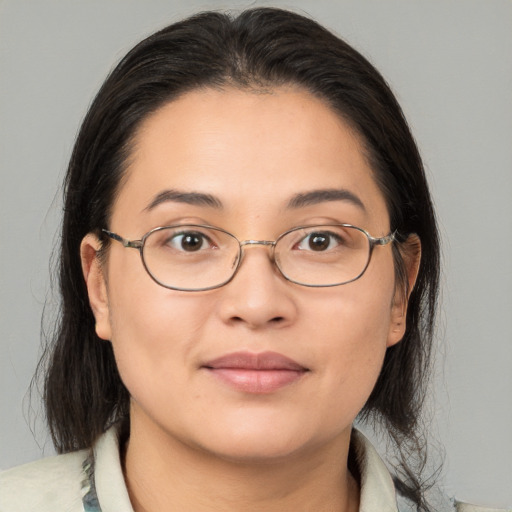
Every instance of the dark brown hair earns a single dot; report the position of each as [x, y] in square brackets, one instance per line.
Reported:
[260, 48]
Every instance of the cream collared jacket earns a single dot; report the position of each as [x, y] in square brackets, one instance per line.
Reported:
[92, 481]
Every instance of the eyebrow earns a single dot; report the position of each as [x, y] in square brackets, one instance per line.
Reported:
[324, 195]
[300, 200]
[193, 198]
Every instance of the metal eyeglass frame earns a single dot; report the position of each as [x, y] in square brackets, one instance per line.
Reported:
[139, 244]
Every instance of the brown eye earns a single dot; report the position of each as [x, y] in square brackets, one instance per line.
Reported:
[189, 242]
[319, 242]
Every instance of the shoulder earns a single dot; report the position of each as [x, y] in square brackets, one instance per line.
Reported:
[50, 484]
[378, 493]
[466, 507]
[86, 480]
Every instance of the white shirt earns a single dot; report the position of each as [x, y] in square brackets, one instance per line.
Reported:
[92, 481]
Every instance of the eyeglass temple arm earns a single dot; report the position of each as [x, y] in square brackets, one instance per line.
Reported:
[384, 240]
[134, 244]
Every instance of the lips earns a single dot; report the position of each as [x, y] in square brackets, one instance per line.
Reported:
[262, 373]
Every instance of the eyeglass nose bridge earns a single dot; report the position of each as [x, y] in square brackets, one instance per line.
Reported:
[257, 242]
[266, 243]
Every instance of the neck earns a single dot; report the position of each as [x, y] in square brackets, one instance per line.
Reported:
[163, 473]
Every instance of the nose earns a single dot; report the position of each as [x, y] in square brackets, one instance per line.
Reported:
[258, 295]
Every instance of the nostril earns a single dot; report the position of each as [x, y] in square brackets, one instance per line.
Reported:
[275, 320]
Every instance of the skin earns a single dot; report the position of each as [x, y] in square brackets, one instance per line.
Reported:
[195, 442]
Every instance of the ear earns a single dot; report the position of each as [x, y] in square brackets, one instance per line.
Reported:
[96, 284]
[411, 255]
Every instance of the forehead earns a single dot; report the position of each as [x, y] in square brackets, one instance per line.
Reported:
[249, 149]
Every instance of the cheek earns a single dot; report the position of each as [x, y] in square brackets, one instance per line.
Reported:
[154, 334]
[355, 341]
[352, 334]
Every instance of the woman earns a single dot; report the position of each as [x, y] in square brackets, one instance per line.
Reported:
[286, 282]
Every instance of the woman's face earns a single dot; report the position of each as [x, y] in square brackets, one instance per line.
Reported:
[254, 153]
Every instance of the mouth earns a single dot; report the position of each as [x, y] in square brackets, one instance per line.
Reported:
[261, 373]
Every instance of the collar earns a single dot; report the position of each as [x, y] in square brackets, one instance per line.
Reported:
[108, 474]
[377, 488]
[107, 480]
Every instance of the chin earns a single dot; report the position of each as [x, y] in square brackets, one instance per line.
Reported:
[270, 442]
[255, 450]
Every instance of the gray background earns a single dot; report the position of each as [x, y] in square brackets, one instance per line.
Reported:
[450, 64]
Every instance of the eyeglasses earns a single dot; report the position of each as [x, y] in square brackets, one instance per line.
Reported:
[197, 257]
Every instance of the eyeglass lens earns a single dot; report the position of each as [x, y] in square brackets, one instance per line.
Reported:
[193, 257]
